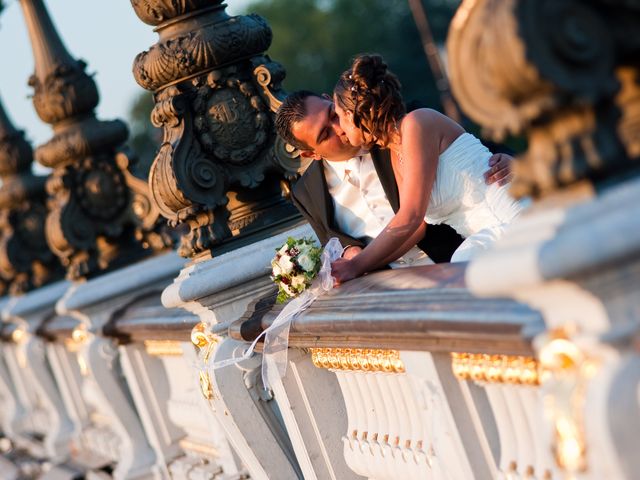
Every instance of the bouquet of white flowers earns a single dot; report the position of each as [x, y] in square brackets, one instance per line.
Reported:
[302, 270]
[294, 267]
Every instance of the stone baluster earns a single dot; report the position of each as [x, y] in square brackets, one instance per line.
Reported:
[25, 258]
[220, 164]
[93, 209]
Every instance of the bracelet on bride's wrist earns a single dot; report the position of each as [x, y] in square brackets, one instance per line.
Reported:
[345, 249]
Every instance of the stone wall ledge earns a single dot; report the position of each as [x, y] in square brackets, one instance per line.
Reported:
[59, 327]
[417, 308]
[123, 282]
[39, 302]
[149, 320]
[229, 270]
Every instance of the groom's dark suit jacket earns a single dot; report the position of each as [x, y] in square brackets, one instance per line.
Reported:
[311, 195]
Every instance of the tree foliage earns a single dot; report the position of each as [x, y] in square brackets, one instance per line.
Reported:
[144, 138]
[315, 40]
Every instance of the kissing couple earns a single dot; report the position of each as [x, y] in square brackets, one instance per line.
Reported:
[396, 188]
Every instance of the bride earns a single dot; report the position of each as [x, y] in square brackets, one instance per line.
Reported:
[439, 168]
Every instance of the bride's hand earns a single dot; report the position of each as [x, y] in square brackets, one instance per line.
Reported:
[343, 270]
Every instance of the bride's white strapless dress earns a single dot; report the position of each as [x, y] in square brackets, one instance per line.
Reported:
[461, 198]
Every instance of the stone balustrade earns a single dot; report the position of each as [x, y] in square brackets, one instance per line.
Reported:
[402, 372]
[428, 380]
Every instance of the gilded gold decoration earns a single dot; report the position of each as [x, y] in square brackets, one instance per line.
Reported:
[511, 369]
[163, 348]
[82, 364]
[71, 345]
[358, 359]
[565, 372]
[205, 341]
[206, 386]
[201, 337]
[199, 448]
[78, 337]
[79, 334]
[628, 100]
[19, 335]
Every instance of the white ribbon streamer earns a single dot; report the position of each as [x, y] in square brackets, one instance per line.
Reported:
[276, 341]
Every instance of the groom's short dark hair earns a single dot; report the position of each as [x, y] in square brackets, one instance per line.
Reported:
[293, 110]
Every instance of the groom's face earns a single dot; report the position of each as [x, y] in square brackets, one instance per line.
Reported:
[320, 130]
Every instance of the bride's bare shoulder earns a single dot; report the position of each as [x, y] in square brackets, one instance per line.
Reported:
[422, 115]
[426, 124]
[428, 118]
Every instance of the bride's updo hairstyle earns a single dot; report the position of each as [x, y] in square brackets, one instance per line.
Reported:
[372, 93]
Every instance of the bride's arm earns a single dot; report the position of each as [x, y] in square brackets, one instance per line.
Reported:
[408, 245]
[423, 135]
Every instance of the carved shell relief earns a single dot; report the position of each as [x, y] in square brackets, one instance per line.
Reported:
[198, 51]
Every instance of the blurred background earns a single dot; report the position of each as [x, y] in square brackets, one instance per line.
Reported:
[314, 40]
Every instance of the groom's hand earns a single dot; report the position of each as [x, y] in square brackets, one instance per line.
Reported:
[351, 251]
[499, 169]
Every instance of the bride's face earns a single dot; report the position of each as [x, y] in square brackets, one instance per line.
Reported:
[352, 134]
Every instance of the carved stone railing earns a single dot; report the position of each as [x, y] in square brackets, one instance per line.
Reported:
[407, 310]
[42, 424]
[433, 380]
[129, 376]
[218, 291]
[220, 164]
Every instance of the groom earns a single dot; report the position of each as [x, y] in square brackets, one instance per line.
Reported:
[351, 194]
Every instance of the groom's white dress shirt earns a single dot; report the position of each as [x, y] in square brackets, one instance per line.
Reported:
[362, 209]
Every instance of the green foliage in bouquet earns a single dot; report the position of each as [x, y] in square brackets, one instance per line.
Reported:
[295, 266]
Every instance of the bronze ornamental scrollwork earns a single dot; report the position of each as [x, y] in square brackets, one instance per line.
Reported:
[26, 261]
[91, 224]
[219, 167]
[560, 71]
[154, 12]
[231, 120]
[565, 74]
[64, 92]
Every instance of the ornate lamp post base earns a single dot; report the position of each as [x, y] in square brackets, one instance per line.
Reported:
[220, 164]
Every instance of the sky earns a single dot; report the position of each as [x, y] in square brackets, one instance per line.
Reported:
[106, 34]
